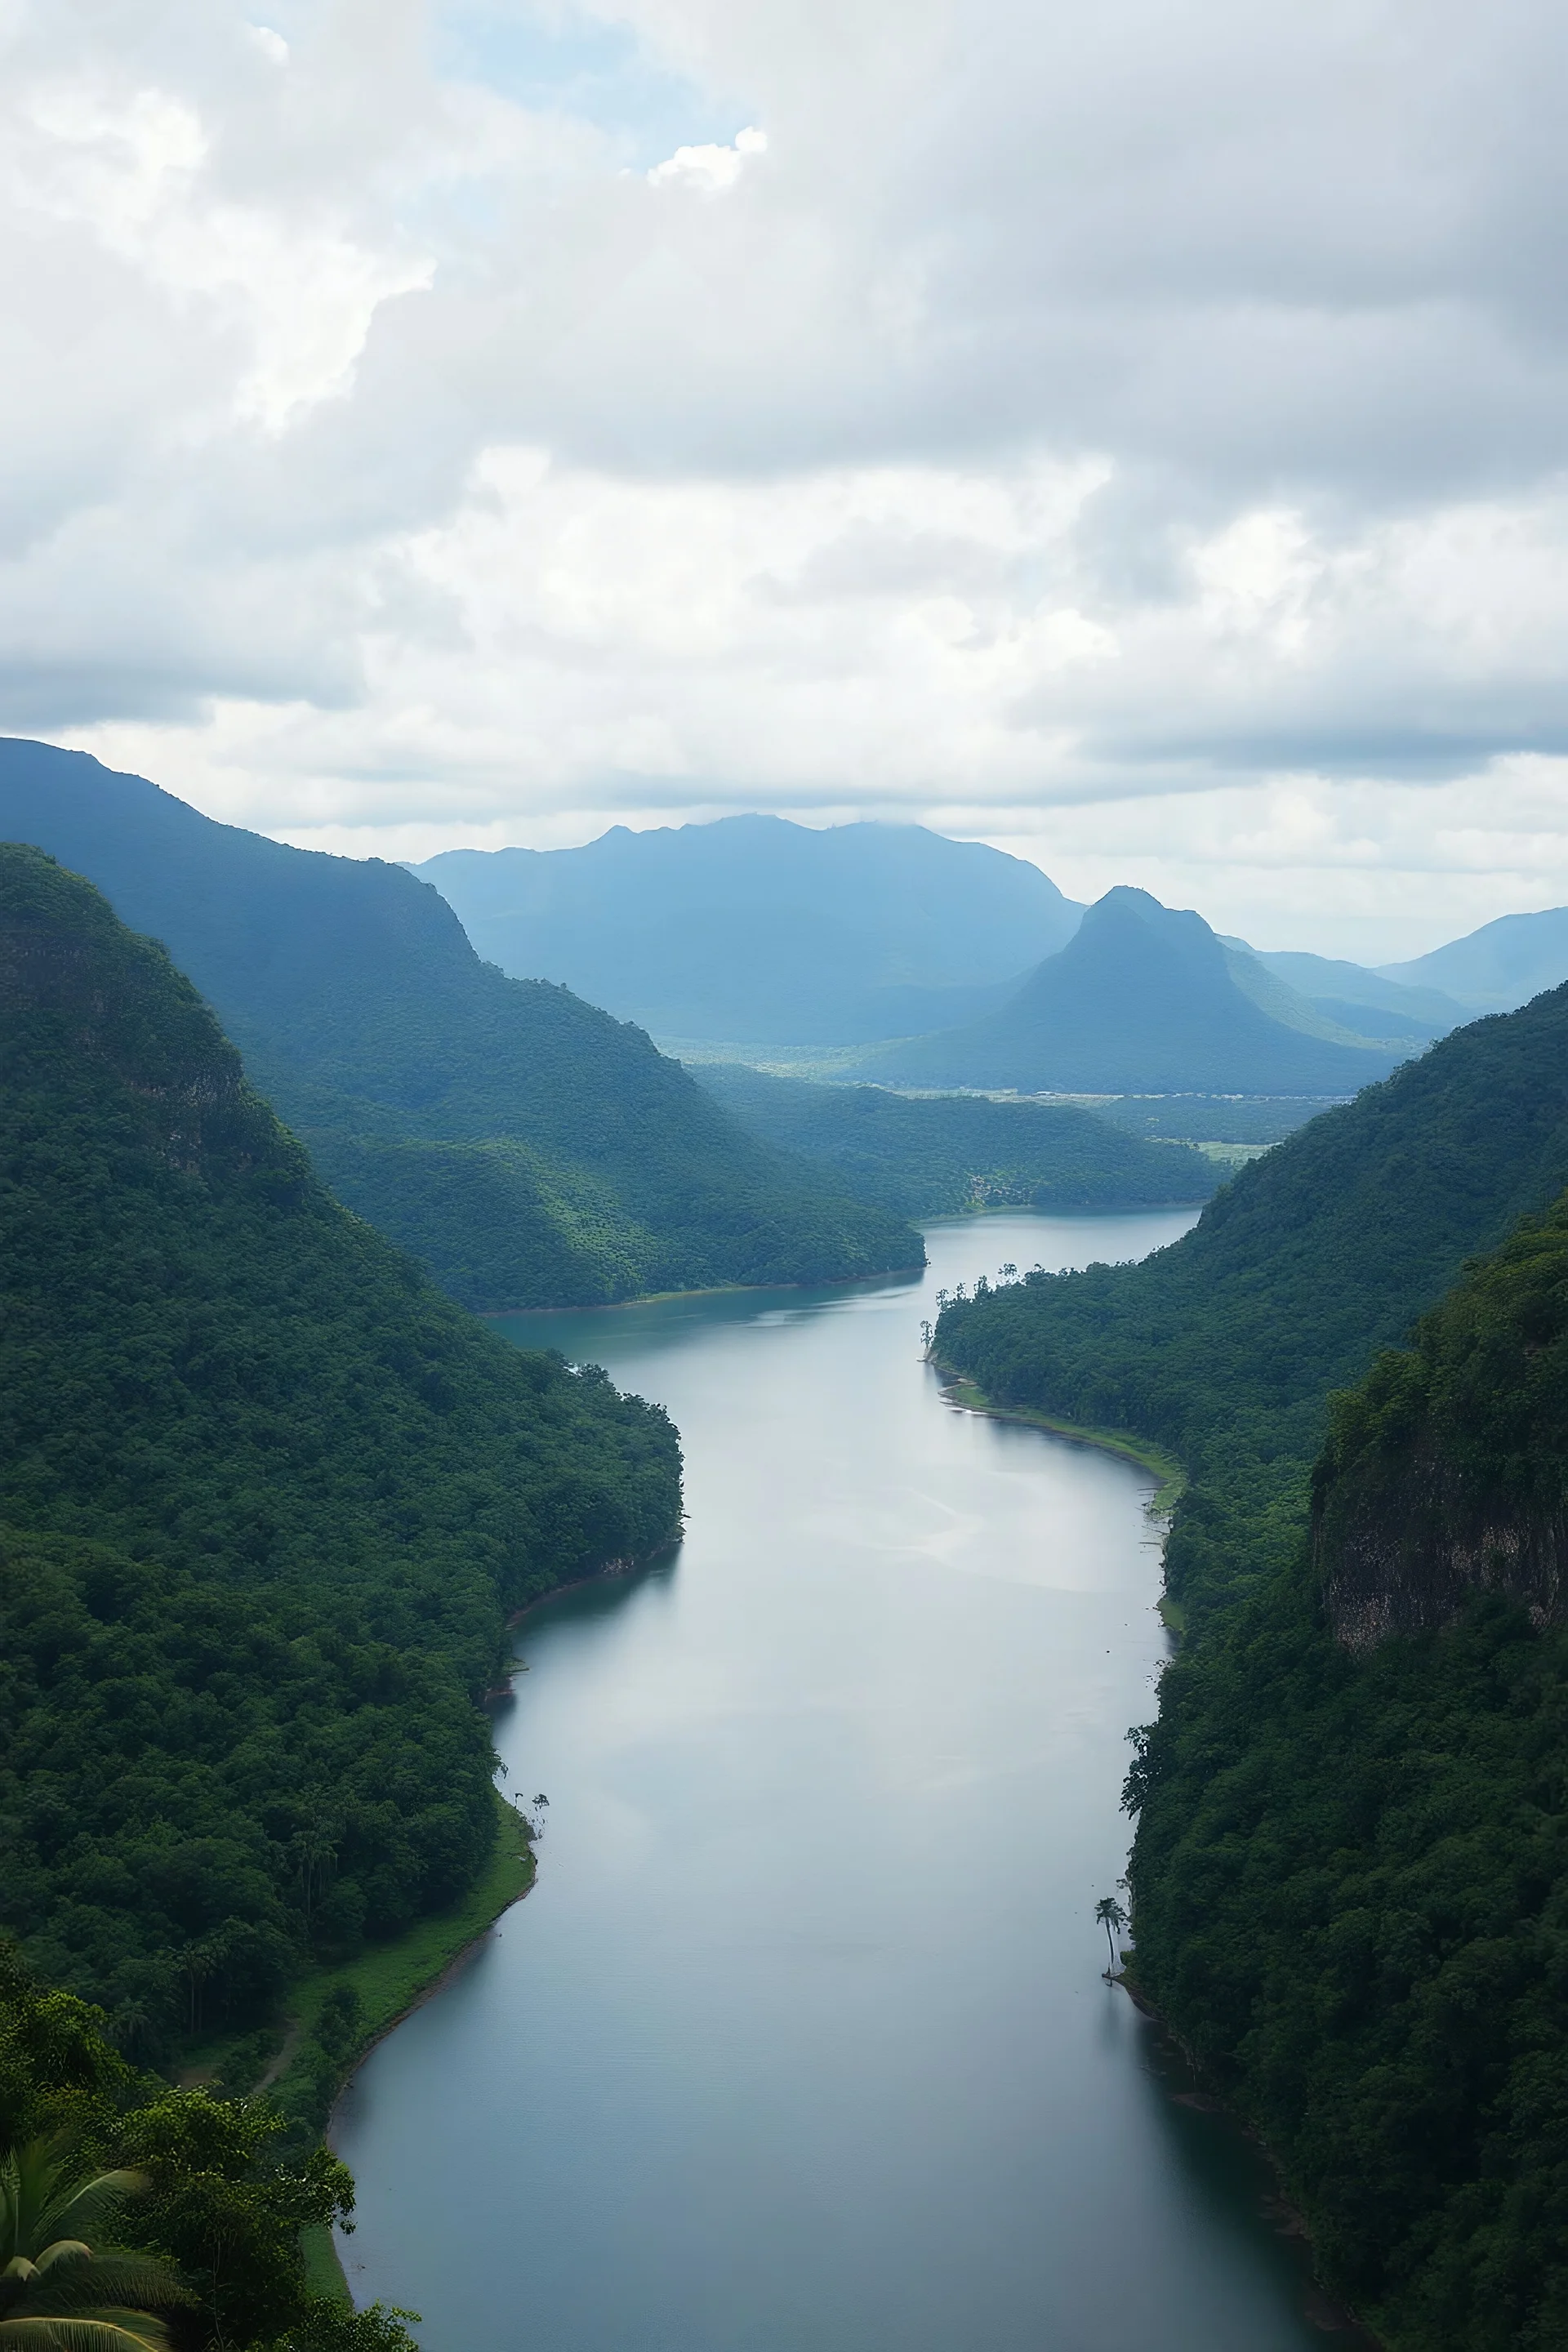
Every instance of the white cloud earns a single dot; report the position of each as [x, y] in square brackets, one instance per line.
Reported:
[709, 169]
[131, 174]
[1143, 436]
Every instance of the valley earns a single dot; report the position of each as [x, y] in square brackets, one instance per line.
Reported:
[834, 1735]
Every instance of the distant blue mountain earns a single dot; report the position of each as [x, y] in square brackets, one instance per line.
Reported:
[754, 931]
[1144, 999]
[1498, 967]
[1375, 1007]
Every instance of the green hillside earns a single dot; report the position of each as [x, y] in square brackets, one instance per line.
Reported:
[531, 1150]
[1143, 1000]
[754, 931]
[1350, 1874]
[940, 1155]
[266, 1501]
[1224, 1346]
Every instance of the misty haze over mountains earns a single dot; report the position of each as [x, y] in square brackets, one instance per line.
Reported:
[531, 1146]
[955, 965]
[754, 929]
[425, 1079]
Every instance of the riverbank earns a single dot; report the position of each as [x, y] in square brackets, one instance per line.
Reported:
[388, 1984]
[968, 1396]
[713, 1290]
[739, 1987]
[1324, 2309]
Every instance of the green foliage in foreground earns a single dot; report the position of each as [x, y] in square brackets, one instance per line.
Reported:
[210, 2207]
[266, 1500]
[1351, 1872]
[940, 1155]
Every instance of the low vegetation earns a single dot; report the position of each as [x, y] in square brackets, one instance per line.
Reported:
[940, 1155]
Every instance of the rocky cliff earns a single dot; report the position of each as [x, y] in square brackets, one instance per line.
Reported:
[1445, 1472]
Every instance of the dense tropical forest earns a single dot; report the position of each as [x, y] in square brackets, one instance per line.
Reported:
[1350, 1874]
[267, 1499]
[528, 1149]
[137, 2218]
[920, 1156]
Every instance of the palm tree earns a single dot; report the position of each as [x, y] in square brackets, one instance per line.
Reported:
[1112, 1918]
[62, 2287]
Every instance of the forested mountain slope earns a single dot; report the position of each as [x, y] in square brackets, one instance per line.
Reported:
[265, 1499]
[938, 1155]
[1225, 1345]
[1351, 1872]
[754, 931]
[1445, 1471]
[1144, 999]
[528, 1147]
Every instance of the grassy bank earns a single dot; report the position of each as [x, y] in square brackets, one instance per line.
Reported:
[1163, 1466]
[375, 1991]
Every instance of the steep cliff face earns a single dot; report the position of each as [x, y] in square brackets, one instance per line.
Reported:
[1445, 1472]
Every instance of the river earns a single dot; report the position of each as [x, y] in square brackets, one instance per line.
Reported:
[800, 2043]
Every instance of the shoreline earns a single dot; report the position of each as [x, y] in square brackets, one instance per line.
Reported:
[967, 1396]
[395, 1979]
[613, 1572]
[1333, 2315]
[708, 1290]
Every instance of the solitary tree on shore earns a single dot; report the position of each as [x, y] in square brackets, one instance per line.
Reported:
[1112, 1918]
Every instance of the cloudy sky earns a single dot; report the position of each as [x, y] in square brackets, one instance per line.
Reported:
[1134, 433]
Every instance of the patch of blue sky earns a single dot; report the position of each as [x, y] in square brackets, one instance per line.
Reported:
[559, 60]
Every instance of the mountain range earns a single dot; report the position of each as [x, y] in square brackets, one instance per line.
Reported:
[761, 935]
[754, 931]
[530, 1149]
[1498, 967]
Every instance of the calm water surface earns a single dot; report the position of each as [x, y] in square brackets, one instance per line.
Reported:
[800, 2043]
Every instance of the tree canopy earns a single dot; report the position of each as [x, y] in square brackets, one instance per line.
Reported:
[267, 1499]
